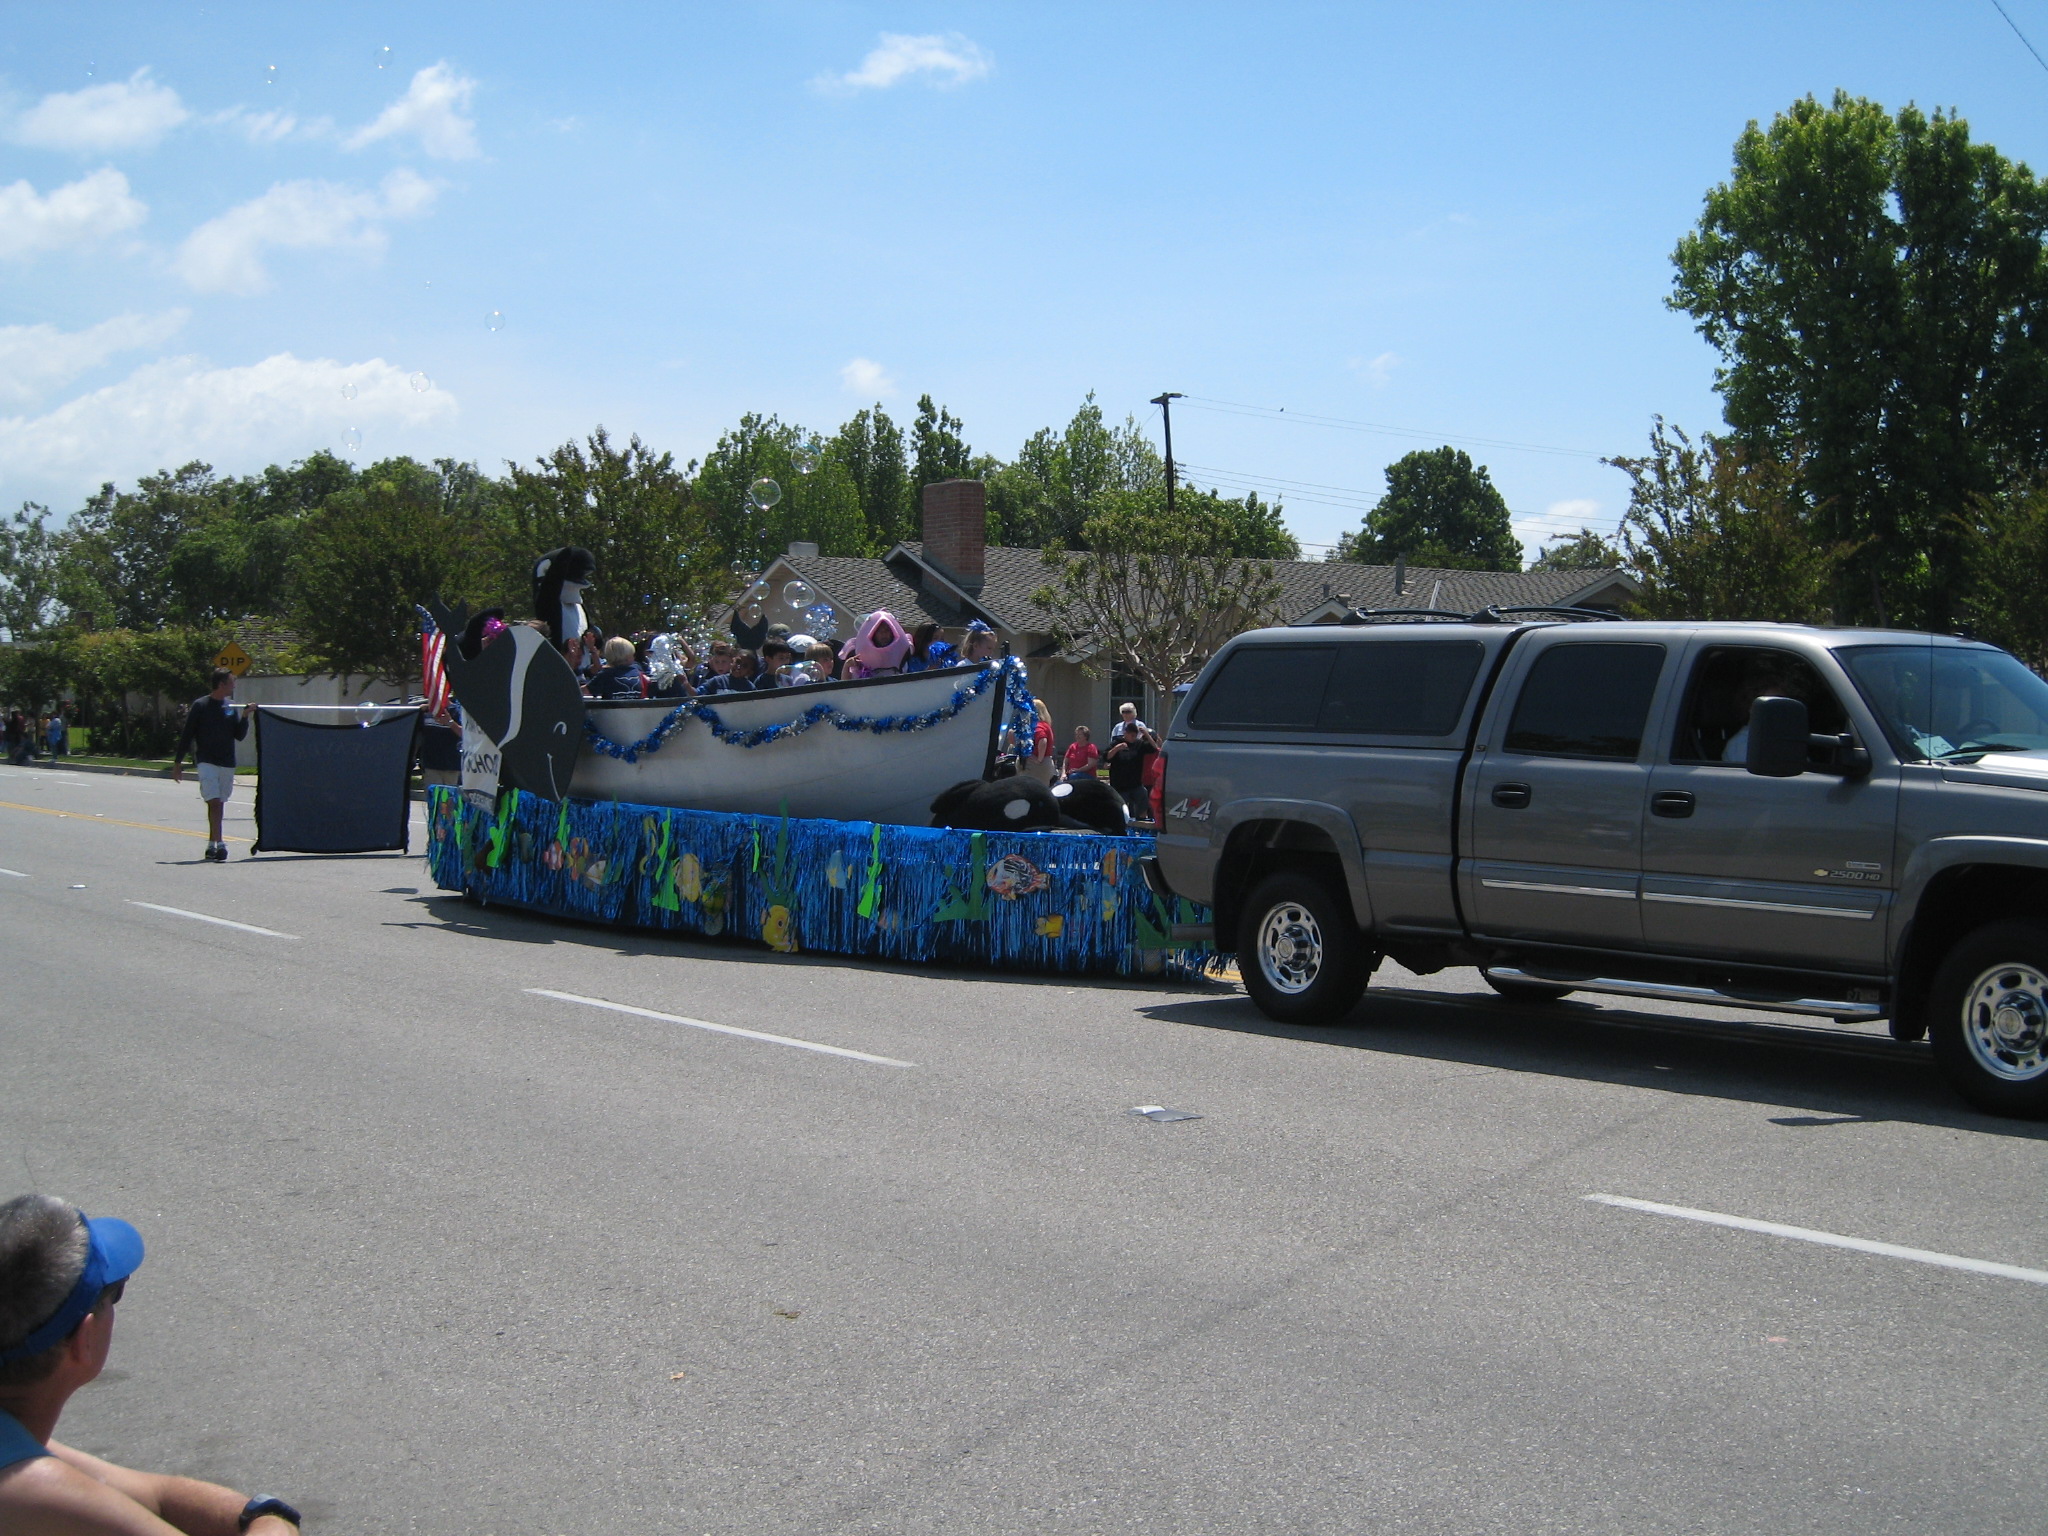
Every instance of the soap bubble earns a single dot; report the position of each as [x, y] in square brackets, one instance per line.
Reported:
[797, 594]
[495, 320]
[806, 454]
[383, 57]
[348, 391]
[738, 568]
[646, 599]
[764, 494]
[750, 609]
[421, 383]
[821, 621]
[351, 440]
[270, 74]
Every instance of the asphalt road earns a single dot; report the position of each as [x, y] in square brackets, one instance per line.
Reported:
[431, 1252]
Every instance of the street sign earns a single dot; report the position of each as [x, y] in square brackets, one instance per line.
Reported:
[233, 658]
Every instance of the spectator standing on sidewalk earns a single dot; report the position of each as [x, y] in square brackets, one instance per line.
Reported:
[61, 1275]
[16, 726]
[58, 731]
[212, 727]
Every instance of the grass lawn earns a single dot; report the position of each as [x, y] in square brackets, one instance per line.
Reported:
[105, 760]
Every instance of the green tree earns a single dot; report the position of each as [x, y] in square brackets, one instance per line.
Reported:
[1045, 497]
[1877, 287]
[1581, 551]
[630, 507]
[1441, 510]
[939, 452]
[400, 534]
[869, 448]
[29, 551]
[1151, 593]
[2005, 602]
[822, 506]
[114, 570]
[1716, 531]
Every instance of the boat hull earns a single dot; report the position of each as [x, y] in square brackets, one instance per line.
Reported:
[822, 772]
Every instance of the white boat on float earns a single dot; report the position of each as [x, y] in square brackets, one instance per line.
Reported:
[816, 770]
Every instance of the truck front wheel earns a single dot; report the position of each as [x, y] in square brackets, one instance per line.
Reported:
[1987, 1015]
[1299, 951]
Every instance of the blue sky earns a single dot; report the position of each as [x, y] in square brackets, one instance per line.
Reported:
[1452, 220]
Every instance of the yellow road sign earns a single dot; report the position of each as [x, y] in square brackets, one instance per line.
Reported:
[232, 657]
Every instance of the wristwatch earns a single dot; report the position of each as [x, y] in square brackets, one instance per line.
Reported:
[267, 1504]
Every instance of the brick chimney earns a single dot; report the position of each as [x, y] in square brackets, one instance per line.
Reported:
[956, 530]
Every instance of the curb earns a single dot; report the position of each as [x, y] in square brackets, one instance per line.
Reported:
[417, 796]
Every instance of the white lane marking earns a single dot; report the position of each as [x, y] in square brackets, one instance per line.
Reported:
[201, 917]
[720, 1029]
[14, 872]
[1831, 1239]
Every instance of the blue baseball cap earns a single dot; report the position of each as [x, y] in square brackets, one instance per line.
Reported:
[113, 1253]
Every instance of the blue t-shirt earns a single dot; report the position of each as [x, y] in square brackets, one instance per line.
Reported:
[16, 1443]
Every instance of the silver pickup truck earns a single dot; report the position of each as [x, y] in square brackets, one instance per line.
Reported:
[1848, 823]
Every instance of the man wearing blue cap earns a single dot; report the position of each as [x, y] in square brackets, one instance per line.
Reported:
[61, 1272]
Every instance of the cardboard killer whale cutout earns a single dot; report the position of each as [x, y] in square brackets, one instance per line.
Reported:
[560, 578]
[519, 692]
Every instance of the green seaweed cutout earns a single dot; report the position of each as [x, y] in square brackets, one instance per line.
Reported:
[972, 907]
[871, 886]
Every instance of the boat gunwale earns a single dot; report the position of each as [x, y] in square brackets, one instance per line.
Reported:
[786, 690]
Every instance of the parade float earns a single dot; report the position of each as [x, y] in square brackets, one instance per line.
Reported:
[795, 817]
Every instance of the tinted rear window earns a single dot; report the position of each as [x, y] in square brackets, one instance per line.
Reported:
[1267, 688]
[1401, 687]
[1586, 701]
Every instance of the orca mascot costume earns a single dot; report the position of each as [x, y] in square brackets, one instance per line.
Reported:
[560, 578]
[518, 691]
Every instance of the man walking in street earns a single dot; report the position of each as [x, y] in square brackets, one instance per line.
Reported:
[61, 1274]
[212, 727]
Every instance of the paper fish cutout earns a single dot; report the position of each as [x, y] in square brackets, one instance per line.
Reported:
[1013, 875]
[1049, 927]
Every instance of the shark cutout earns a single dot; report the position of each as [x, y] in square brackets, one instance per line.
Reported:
[521, 693]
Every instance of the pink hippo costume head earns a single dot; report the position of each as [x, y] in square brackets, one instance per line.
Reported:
[879, 644]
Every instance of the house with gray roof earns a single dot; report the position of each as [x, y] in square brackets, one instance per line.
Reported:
[953, 576]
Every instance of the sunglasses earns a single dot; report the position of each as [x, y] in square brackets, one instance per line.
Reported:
[112, 1295]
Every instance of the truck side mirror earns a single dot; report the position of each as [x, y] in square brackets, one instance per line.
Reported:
[1777, 739]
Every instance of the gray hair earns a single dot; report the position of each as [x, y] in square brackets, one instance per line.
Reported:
[43, 1249]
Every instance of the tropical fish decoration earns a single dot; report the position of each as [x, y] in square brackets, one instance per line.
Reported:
[1013, 875]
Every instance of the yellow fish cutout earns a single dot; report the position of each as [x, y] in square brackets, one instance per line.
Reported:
[1109, 866]
[778, 931]
[1051, 927]
[836, 872]
[689, 877]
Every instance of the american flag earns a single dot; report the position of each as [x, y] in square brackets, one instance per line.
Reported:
[433, 676]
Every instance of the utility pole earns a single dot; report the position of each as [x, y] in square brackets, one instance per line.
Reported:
[1164, 402]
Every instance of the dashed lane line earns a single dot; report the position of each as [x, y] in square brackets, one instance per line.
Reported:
[720, 1029]
[1831, 1239]
[14, 872]
[225, 922]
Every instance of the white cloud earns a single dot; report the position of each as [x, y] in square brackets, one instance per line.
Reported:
[1377, 371]
[947, 59]
[864, 376]
[261, 128]
[35, 359]
[128, 114]
[431, 110]
[225, 255]
[179, 409]
[77, 213]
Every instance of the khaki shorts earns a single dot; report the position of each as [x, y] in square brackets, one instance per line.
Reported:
[215, 782]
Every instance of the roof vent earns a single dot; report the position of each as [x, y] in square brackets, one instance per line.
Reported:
[801, 549]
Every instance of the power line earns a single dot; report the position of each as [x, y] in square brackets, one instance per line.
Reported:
[2016, 32]
[1345, 423]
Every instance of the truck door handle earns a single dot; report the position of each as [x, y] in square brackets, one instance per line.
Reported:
[1511, 797]
[1671, 802]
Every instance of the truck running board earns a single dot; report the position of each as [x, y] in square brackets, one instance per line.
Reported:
[1671, 992]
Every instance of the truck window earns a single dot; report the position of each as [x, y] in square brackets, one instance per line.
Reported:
[1400, 687]
[1267, 688]
[1714, 725]
[1586, 701]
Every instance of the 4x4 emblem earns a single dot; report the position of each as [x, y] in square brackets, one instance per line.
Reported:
[1191, 808]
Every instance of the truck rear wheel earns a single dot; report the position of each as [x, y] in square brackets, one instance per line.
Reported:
[1299, 951]
[1987, 1016]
